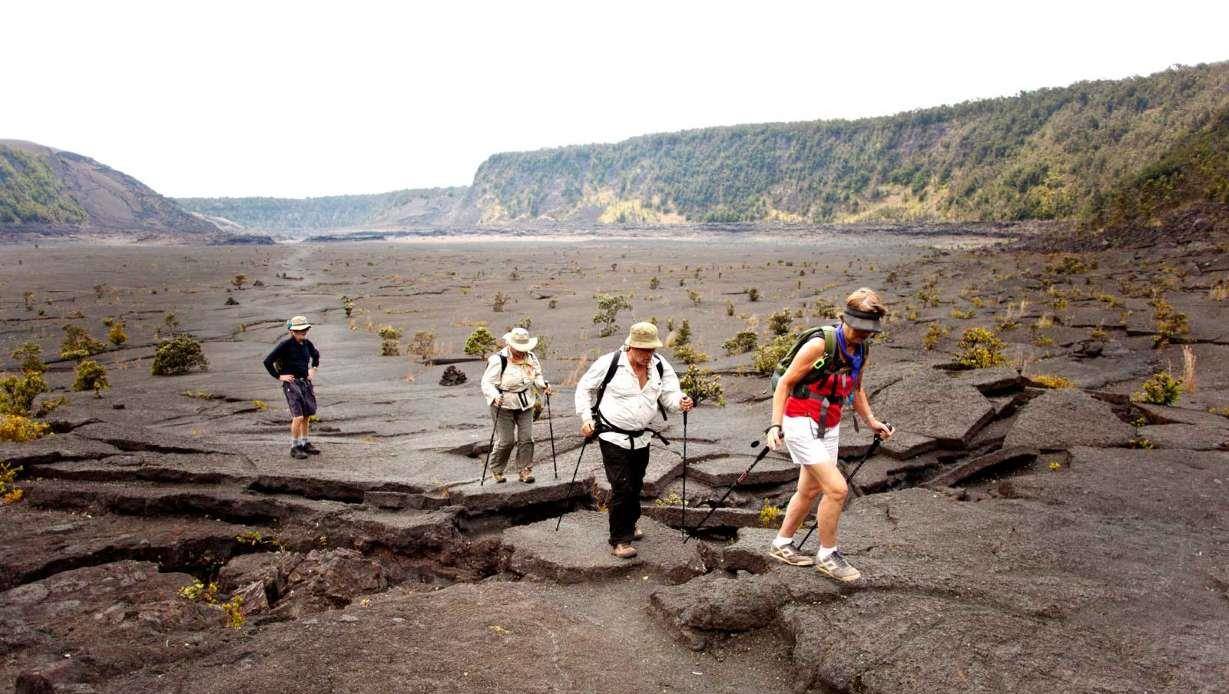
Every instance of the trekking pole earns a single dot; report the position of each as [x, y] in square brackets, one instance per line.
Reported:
[683, 517]
[870, 450]
[570, 484]
[489, 448]
[762, 454]
[551, 423]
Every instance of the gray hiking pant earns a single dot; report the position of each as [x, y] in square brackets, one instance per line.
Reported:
[512, 428]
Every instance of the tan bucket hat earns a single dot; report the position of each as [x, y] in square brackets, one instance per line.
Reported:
[520, 340]
[643, 336]
[298, 323]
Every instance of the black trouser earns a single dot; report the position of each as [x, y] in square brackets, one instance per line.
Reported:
[625, 472]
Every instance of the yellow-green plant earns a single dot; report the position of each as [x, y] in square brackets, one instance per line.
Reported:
[980, 348]
[934, 334]
[767, 356]
[115, 331]
[78, 344]
[702, 385]
[770, 515]
[743, 342]
[17, 392]
[1160, 389]
[10, 493]
[480, 342]
[90, 375]
[178, 356]
[1052, 381]
[31, 357]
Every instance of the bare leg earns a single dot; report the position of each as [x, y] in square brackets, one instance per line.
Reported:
[832, 483]
[801, 502]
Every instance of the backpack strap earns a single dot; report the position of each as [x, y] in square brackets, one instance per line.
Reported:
[610, 373]
[503, 366]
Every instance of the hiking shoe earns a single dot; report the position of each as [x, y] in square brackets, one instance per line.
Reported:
[835, 566]
[526, 476]
[637, 534]
[297, 453]
[309, 449]
[790, 555]
[623, 551]
[499, 477]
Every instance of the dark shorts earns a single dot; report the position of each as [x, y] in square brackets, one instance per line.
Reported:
[300, 396]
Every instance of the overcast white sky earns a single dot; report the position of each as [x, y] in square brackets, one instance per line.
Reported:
[302, 98]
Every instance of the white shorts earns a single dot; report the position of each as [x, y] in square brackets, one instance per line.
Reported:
[804, 444]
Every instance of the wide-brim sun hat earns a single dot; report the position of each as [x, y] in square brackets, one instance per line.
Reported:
[520, 340]
[298, 323]
[867, 321]
[643, 336]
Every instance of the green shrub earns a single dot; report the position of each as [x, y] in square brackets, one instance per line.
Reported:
[1051, 381]
[780, 322]
[20, 429]
[741, 343]
[1170, 324]
[934, 334]
[766, 357]
[388, 332]
[688, 354]
[500, 300]
[1161, 389]
[753, 294]
[680, 337]
[78, 344]
[31, 357]
[608, 308]
[480, 342]
[654, 283]
[702, 385]
[178, 356]
[90, 375]
[17, 392]
[115, 331]
[980, 348]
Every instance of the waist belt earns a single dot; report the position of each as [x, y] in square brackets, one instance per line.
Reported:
[604, 425]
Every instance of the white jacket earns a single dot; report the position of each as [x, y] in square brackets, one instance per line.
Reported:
[625, 404]
[517, 382]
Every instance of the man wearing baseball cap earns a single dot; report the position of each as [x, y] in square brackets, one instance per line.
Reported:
[294, 362]
[618, 399]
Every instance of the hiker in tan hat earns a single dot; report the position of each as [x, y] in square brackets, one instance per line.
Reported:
[294, 362]
[510, 384]
[619, 398]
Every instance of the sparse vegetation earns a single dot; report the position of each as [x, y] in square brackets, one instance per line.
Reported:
[238, 281]
[688, 354]
[1160, 389]
[10, 493]
[608, 308]
[779, 323]
[115, 331]
[1171, 324]
[753, 294]
[480, 342]
[90, 375]
[17, 392]
[1051, 381]
[980, 348]
[766, 357]
[743, 342]
[499, 302]
[20, 429]
[422, 345]
[78, 344]
[31, 357]
[770, 515]
[702, 385]
[178, 356]
[654, 283]
[959, 314]
[934, 333]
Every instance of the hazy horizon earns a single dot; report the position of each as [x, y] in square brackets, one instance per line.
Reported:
[292, 100]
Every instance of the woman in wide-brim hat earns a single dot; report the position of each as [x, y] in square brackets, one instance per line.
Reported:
[510, 384]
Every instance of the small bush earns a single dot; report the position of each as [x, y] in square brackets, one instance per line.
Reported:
[17, 392]
[239, 281]
[770, 515]
[78, 344]
[230, 301]
[680, 337]
[1161, 389]
[1069, 265]
[347, 304]
[390, 348]
[608, 308]
[260, 405]
[499, 302]
[553, 303]
[934, 334]
[780, 322]
[980, 348]
[178, 356]
[480, 342]
[1051, 381]
[694, 296]
[422, 345]
[115, 331]
[766, 357]
[741, 343]
[654, 283]
[753, 294]
[388, 332]
[689, 355]
[729, 308]
[90, 375]
[961, 315]
[19, 429]
[1170, 324]
[31, 357]
[702, 385]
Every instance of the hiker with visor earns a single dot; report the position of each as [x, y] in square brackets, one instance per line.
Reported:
[619, 399]
[510, 384]
[823, 376]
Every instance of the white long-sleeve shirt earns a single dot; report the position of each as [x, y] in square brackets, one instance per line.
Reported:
[516, 382]
[625, 404]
